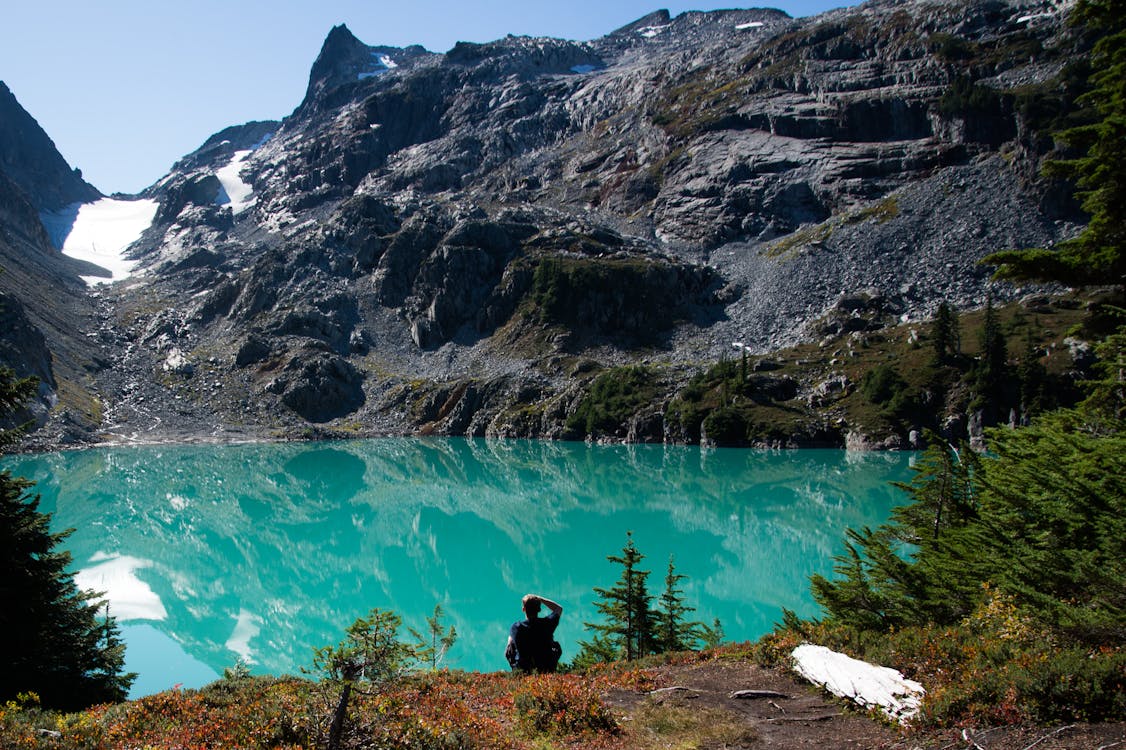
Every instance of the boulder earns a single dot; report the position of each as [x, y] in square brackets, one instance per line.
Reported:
[321, 387]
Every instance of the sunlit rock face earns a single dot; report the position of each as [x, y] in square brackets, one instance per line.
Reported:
[471, 226]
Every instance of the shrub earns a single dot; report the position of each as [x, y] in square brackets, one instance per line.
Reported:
[614, 397]
[726, 426]
[881, 384]
[562, 704]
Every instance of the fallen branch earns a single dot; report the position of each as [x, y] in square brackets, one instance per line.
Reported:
[823, 717]
[673, 689]
[757, 694]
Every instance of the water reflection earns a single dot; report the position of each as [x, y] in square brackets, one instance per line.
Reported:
[262, 552]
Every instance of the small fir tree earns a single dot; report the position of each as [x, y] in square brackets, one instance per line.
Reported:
[62, 643]
[370, 655]
[628, 630]
[1033, 379]
[435, 643]
[711, 635]
[674, 631]
[946, 334]
[990, 371]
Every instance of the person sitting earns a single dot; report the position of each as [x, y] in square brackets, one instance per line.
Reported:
[531, 643]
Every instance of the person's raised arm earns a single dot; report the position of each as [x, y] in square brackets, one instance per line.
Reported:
[554, 607]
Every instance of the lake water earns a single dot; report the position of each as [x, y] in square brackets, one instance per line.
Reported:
[209, 554]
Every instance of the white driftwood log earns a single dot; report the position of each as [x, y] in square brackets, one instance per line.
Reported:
[869, 685]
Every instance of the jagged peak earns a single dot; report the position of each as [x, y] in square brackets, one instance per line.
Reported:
[340, 50]
[344, 59]
[656, 18]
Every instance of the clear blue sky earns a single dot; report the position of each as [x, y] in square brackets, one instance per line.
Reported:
[126, 87]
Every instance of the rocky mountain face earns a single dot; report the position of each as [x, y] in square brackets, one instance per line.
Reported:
[48, 320]
[459, 243]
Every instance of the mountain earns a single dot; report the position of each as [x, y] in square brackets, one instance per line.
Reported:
[29, 159]
[462, 243]
[48, 320]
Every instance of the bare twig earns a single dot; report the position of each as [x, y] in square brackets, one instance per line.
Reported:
[1050, 734]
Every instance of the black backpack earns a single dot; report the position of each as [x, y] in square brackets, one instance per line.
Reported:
[552, 661]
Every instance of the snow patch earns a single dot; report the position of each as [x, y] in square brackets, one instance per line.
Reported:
[750, 25]
[581, 69]
[651, 31]
[102, 231]
[867, 684]
[129, 597]
[247, 625]
[236, 193]
[384, 63]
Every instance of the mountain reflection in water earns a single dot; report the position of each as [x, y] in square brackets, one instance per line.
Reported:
[263, 552]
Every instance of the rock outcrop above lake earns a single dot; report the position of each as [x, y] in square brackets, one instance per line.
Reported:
[459, 243]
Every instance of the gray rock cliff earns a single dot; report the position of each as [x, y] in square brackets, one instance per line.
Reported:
[453, 243]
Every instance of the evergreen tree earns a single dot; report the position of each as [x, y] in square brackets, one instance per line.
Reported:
[879, 586]
[370, 655]
[946, 334]
[674, 631]
[1033, 379]
[1053, 502]
[712, 635]
[990, 371]
[61, 644]
[433, 645]
[628, 631]
[14, 393]
[1042, 519]
[1096, 256]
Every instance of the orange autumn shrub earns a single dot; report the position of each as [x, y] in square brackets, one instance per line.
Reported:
[562, 704]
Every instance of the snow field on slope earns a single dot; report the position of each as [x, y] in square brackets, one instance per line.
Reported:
[239, 195]
[103, 230]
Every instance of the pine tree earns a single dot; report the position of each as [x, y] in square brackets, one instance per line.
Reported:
[712, 635]
[628, 630]
[990, 371]
[1054, 499]
[946, 334]
[370, 655]
[433, 645]
[1033, 379]
[1097, 256]
[60, 643]
[674, 631]
[881, 587]
[14, 393]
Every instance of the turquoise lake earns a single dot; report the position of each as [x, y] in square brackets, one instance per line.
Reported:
[212, 553]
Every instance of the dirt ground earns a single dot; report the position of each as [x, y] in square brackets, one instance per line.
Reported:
[789, 713]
